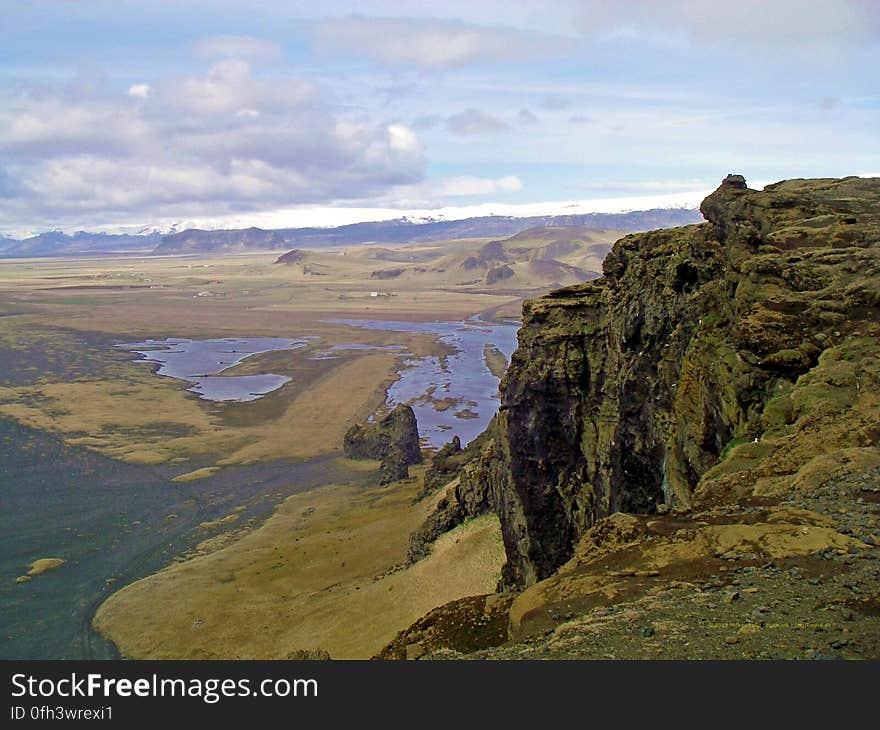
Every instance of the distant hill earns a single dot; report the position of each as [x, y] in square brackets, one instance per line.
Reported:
[538, 258]
[6, 243]
[196, 241]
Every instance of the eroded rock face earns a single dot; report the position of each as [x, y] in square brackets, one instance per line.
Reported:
[649, 387]
[444, 467]
[393, 439]
[469, 494]
[394, 466]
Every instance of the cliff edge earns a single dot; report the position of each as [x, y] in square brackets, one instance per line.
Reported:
[625, 393]
[716, 370]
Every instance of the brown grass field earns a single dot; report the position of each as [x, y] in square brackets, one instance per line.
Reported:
[323, 572]
[126, 412]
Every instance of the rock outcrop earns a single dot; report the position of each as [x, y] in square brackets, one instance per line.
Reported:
[712, 363]
[393, 439]
[444, 467]
[394, 466]
[470, 494]
[386, 273]
[296, 256]
[499, 273]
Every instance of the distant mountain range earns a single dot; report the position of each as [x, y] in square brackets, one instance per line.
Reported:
[81, 243]
[195, 241]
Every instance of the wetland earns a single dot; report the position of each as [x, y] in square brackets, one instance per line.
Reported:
[199, 361]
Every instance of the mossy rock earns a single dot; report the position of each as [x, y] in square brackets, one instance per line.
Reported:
[397, 430]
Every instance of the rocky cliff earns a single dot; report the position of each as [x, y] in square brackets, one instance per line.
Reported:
[712, 363]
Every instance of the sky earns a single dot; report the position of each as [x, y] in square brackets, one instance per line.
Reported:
[127, 115]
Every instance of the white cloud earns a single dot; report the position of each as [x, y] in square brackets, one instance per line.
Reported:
[649, 187]
[427, 121]
[431, 43]
[403, 139]
[475, 122]
[510, 183]
[237, 46]
[675, 91]
[465, 186]
[230, 87]
[139, 91]
[211, 144]
[44, 127]
[526, 117]
[807, 26]
[555, 102]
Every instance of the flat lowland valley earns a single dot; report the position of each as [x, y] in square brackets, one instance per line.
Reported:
[236, 529]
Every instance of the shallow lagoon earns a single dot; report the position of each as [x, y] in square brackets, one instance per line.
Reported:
[201, 361]
[451, 395]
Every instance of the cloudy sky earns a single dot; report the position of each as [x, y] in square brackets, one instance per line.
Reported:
[122, 114]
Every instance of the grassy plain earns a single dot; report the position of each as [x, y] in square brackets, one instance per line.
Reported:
[64, 376]
[324, 571]
[63, 316]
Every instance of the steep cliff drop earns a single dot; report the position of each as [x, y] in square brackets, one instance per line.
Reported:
[716, 369]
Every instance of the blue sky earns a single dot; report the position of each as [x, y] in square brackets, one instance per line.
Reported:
[121, 115]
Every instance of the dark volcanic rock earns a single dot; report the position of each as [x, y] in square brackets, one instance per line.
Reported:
[393, 438]
[710, 361]
[386, 273]
[448, 514]
[291, 257]
[466, 625]
[444, 467]
[469, 495]
[394, 466]
[735, 181]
